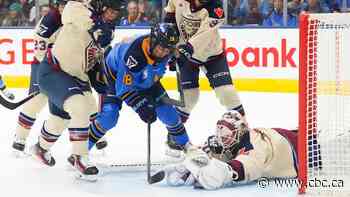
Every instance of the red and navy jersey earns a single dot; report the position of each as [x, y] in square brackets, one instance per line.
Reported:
[45, 33]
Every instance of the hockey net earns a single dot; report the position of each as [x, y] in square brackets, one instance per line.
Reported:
[324, 103]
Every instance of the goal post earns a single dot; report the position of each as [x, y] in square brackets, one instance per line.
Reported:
[324, 101]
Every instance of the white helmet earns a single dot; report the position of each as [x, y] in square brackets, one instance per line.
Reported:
[230, 128]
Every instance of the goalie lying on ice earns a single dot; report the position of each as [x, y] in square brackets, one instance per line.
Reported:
[237, 154]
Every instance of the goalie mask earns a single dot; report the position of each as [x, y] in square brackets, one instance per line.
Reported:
[230, 130]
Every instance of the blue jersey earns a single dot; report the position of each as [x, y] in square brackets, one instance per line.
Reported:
[130, 67]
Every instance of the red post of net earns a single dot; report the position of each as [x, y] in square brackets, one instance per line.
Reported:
[302, 137]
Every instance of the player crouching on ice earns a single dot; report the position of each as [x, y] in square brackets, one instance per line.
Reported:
[133, 69]
[236, 154]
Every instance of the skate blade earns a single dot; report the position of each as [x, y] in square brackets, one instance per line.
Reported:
[88, 178]
[20, 154]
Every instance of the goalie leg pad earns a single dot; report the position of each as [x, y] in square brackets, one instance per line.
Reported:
[178, 175]
[212, 176]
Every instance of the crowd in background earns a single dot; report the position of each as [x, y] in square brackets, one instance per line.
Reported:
[147, 12]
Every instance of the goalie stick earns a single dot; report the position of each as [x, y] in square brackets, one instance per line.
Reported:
[13, 105]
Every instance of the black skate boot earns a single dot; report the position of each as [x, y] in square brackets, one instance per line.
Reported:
[86, 170]
[174, 153]
[101, 144]
[18, 147]
[43, 155]
[71, 160]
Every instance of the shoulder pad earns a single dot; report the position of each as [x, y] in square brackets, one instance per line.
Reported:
[215, 9]
[134, 58]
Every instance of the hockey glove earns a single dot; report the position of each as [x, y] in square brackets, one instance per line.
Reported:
[197, 156]
[98, 80]
[185, 53]
[102, 32]
[142, 107]
[172, 63]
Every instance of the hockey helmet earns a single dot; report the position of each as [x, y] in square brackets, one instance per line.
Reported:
[165, 35]
[230, 129]
[204, 2]
[61, 2]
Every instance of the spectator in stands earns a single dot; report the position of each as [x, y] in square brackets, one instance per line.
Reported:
[26, 6]
[249, 12]
[343, 5]
[44, 10]
[295, 7]
[232, 12]
[148, 11]
[32, 14]
[276, 17]
[4, 4]
[14, 16]
[266, 8]
[315, 6]
[134, 17]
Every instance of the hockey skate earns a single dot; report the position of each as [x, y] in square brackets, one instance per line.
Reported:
[8, 94]
[43, 155]
[18, 147]
[85, 170]
[173, 153]
[101, 144]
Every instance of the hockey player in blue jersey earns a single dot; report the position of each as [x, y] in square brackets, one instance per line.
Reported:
[133, 69]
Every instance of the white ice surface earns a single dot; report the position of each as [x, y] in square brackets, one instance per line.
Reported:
[127, 142]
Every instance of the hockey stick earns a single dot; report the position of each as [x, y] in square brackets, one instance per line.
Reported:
[149, 153]
[13, 105]
[181, 102]
[157, 177]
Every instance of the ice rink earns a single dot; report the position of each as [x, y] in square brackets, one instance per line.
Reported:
[127, 143]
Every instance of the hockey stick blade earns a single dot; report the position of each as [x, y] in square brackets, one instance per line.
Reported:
[157, 177]
[13, 105]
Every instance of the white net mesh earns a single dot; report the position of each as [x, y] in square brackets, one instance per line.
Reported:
[328, 101]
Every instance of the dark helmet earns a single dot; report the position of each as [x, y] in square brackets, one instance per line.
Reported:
[100, 5]
[61, 2]
[164, 34]
[204, 2]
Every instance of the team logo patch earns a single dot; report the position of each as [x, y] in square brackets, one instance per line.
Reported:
[93, 55]
[219, 12]
[131, 62]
